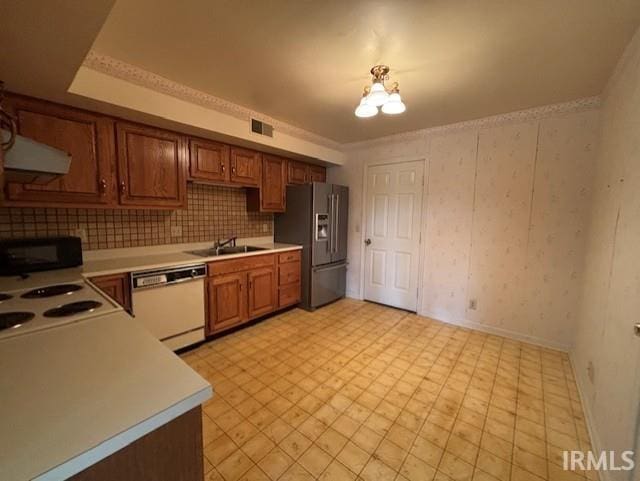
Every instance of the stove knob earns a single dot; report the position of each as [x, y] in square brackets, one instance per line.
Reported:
[194, 273]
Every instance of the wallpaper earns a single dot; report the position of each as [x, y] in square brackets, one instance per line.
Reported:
[504, 179]
[504, 222]
[450, 191]
[610, 301]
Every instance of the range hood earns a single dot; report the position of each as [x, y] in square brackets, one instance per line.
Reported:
[28, 161]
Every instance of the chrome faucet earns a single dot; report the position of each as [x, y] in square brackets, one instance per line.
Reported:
[219, 244]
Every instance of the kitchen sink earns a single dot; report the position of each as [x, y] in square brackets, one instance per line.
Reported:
[222, 251]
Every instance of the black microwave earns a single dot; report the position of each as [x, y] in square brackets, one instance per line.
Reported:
[20, 256]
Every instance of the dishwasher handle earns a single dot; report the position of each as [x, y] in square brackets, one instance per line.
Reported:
[165, 277]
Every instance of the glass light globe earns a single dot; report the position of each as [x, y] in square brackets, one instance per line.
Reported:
[365, 110]
[378, 95]
[394, 105]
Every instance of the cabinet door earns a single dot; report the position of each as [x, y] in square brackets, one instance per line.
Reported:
[245, 167]
[297, 172]
[317, 173]
[209, 161]
[273, 184]
[151, 167]
[226, 301]
[116, 287]
[87, 137]
[262, 291]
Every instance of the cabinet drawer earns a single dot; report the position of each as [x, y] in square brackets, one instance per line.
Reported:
[289, 295]
[288, 273]
[241, 264]
[291, 256]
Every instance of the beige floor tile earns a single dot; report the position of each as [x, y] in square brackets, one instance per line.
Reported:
[353, 457]
[337, 472]
[390, 454]
[415, 469]
[218, 450]
[366, 439]
[382, 393]
[275, 463]
[376, 470]
[315, 460]
[295, 472]
[254, 474]
[234, 466]
[258, 447]
[295, 444]
[455, 468]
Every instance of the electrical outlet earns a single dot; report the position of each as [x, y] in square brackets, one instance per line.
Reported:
[473, 304]
[82, 233]
[176, 230]
[265, 227]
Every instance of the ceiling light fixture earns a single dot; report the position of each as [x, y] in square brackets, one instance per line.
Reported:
[377, 95]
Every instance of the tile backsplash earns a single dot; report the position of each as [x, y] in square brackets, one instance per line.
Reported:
[213, 212]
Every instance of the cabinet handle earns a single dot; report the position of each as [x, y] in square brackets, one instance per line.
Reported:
[222, 169]
[103, 186]
[123, 187]
[233, 170]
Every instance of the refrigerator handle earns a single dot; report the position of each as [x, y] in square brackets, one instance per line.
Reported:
[332, 225]
[337, 224]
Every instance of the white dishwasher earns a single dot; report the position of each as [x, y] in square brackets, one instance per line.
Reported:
[170, 303]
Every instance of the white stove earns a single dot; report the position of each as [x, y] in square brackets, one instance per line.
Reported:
[24, 311]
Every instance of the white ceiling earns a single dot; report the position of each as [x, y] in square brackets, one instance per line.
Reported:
[305, 62]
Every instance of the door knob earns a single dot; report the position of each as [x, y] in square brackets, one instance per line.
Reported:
[636, 329]
[367, 241]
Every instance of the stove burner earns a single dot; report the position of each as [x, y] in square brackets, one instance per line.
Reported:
[72, 308]
[50, 291]
[14, 319]
[4, 297]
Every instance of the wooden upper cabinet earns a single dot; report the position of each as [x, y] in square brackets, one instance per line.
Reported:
[209, 161]
[151, 167]
[245, 167]
[270, 197]
[86, 136]
[297, 172]
[263, 290]
[317, 173]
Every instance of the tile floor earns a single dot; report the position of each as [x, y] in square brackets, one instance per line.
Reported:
[361, 391]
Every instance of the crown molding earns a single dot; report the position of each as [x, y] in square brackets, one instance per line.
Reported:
[536, 113]
[143, 78]
[130, 73]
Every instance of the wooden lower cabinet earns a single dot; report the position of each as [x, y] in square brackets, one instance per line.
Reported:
[262, 291]
[226, 301]
[289, 276]
[242, 289]
[170, 453]
[117, 287]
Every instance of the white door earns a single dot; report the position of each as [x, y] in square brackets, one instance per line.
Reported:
[392, 241]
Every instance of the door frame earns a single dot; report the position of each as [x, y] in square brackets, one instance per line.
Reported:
[363, 230]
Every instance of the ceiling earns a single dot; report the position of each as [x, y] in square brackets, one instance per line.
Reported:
[305, 62]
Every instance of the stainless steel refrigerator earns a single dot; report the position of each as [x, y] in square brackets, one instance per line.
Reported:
[316, 217]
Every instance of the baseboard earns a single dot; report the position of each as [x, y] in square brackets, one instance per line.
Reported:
[596, 443]
[353, 295]
[518, 336]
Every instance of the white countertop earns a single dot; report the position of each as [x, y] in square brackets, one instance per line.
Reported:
[126, 262]
[73, 395]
